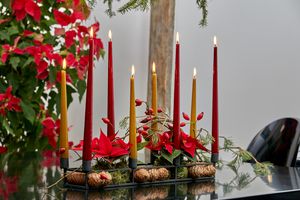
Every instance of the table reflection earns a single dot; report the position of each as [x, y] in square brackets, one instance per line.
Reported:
[31, 175]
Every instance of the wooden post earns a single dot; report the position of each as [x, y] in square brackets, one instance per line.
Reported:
[161, 52]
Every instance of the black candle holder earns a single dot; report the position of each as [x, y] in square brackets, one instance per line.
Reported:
[173, 171]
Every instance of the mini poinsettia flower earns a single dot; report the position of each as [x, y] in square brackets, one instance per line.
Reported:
[7, 50]
[50, 130]
[103, 147]
[163, 142]
[8, 102]
[21, 8]
[190, 144]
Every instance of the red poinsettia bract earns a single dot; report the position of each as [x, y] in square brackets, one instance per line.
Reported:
[103, 147]
[23, 7]
[51, 130]
[163, 142]
[189, 144]
[8, 102]
[7, 50]
[8, 185]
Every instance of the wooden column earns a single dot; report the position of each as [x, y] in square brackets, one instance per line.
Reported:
[161, 52]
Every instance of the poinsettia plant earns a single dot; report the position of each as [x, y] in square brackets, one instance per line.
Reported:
[35, 36]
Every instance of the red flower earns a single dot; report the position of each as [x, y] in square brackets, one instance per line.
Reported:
[159, 110]
[23, 7]
[163, 142]
[103, 147]
[8, 102]
[190, 144]
[64, 19]
[70, 38]
[51, 130]
[7, 49]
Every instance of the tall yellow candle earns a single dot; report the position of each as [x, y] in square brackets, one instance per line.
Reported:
[154, 95]
[63, 140]
[132, 124]
[193, 128]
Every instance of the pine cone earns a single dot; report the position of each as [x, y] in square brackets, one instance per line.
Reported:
[198, 171]
[141, 175]
[164, 173]
[99, 179]
[77, 178]
[154, 174]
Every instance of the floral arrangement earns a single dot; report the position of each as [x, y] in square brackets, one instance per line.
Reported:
[35, 35]
[110, 153]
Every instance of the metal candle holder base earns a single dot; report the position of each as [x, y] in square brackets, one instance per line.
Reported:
[173, 170]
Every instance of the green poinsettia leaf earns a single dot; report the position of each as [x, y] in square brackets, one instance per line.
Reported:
[29, 112]
[141, 145]
[171, 157]
[81, 87]
[14, 61]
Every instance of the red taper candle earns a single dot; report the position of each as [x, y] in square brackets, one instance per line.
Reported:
[176, 109]
[215, 111]
[110, 90]
[88, 123]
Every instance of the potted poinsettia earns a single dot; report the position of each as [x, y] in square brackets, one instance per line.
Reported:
[35, 35]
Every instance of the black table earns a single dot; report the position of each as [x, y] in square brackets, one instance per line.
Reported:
[28, 178]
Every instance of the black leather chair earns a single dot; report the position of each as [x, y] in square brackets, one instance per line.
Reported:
[278, 143]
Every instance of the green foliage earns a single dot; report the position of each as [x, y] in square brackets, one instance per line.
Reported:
[145, 5]
[39, 95]
[182, 172]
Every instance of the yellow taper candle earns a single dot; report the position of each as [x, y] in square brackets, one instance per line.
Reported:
[132, 124]
[154, 95]
[63, 140]
[193, 127]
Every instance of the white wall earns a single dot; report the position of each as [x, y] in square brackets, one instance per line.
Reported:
[259, 56]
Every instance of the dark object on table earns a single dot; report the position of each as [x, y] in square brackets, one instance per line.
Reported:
[278, 142]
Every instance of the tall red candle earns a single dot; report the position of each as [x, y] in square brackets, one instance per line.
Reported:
[176, 110]
[110, 90]
[215, 111]
[88, 123]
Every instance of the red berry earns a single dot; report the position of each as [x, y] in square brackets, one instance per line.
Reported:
[200, 116]
[62, 150]
[185, 116]
[182, 124]
[170, 125]
[145, 127]
[106, 120]
[159, 110]
[166, 135]
[138, 102]
[149, 111]
[145, 120]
